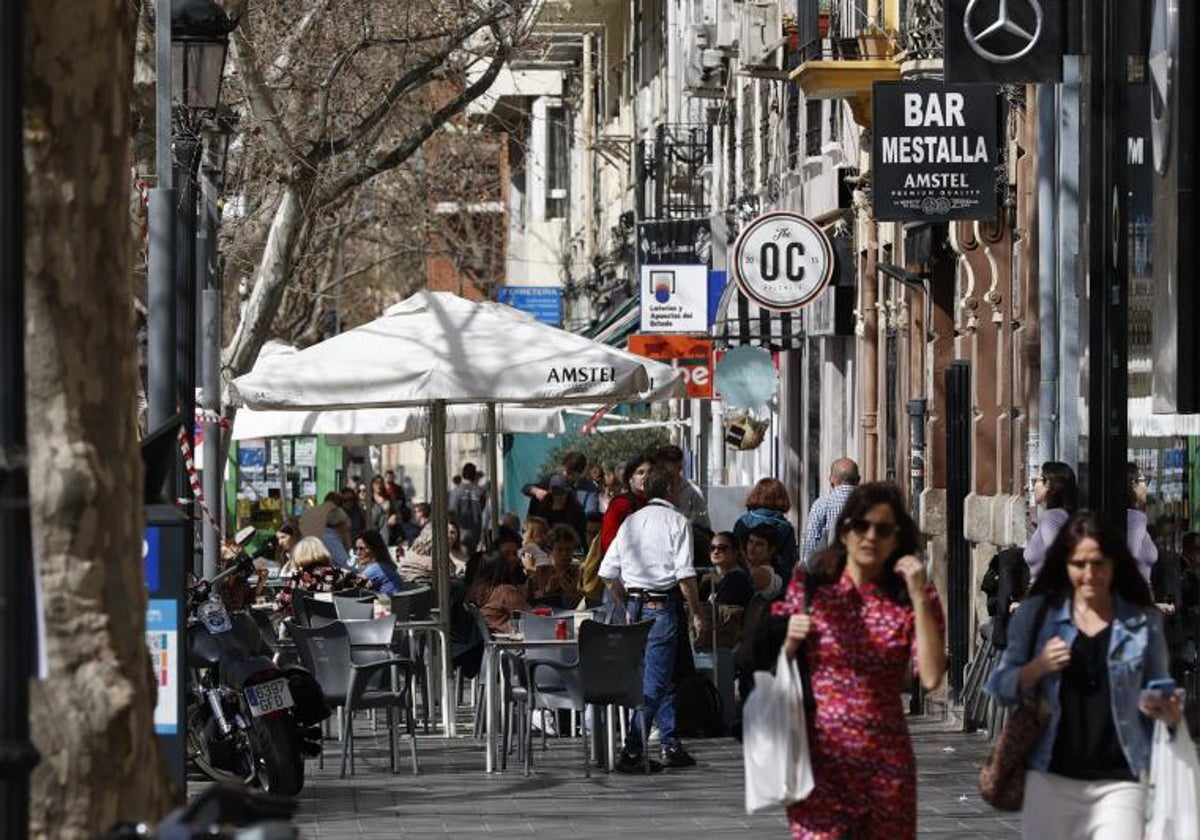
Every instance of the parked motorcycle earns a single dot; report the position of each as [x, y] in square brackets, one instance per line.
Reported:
[248, 720]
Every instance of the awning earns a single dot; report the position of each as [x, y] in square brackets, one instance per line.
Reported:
[742, 321]
[614, 329]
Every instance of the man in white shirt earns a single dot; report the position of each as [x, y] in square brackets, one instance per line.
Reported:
[648, 568]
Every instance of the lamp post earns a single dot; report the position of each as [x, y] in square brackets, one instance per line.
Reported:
[17, 754]
[199, 42]
[216, 150]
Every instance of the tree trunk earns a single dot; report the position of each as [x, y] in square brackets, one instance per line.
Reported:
[92, 717]
[255, 323]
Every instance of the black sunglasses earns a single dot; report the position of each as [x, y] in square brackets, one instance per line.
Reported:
[883, 530]
[720, 547]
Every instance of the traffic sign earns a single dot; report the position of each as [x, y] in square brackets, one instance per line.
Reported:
[782, 261]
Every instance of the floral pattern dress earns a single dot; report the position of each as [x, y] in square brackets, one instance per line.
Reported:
[858, 652]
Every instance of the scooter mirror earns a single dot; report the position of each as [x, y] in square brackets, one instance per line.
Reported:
[243, 536]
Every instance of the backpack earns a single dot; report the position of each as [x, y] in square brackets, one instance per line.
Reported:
[467, 507]
[591, 586]
[699, 712]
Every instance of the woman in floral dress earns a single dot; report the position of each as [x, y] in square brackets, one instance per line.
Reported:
[871, 613]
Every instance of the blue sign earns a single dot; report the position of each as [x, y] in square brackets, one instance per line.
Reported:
[717, 280]
[151, 556]
[545, 303]
[162, 640]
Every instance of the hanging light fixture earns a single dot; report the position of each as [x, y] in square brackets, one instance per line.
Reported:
[199, 40]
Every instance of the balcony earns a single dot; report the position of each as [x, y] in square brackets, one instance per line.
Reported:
[846, 68]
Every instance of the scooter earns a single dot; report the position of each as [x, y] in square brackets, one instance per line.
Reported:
[248, 720]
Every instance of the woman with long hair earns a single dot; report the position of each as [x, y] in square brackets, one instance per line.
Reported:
[731, 584]
[382, 515]
[375, 563]
[285, 542]
[494, 593]
[871, 616]
[1097, 642]
[1137, 535]
[1055, 490]
[634, 497]
[768, 504]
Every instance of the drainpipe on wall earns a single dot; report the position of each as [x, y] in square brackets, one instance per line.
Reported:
[868, 312]
[588, 176]
[1047, 116]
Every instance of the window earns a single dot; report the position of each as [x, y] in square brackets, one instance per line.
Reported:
[558, 161]
[812, 128]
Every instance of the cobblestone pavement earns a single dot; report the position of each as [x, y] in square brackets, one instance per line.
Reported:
[453, 798]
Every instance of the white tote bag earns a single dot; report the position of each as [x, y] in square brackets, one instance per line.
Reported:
[775, 740]
[1174, 794]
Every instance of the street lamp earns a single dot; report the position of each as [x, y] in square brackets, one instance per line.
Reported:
[199, 40]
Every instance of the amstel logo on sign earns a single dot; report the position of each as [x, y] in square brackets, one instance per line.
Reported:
[782, 261]
[690, 355]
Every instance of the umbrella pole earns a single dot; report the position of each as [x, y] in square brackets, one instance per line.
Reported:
[441, 553]
[493, 458]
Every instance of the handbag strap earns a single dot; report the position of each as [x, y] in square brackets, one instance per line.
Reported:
[1038, 620]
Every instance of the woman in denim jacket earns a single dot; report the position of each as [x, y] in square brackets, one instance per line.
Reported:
[1099, 642]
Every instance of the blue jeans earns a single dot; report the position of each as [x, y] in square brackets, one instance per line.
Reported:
[658, 685]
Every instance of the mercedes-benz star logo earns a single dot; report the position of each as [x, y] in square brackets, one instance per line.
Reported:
[1003, 25]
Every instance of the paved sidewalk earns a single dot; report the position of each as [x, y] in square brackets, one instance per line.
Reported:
[453, 798]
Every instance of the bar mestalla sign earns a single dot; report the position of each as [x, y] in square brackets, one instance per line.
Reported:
[935, 151]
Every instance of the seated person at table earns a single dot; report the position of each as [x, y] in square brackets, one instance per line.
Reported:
[459, 556]
[761, 546]
[533, 550]
[494, 593]
[316, 573]
[730, 580]
[375, 563]
[558, 584]
[416, 566]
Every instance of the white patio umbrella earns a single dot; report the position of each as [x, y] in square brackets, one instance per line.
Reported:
[437, 349]
[373, 426]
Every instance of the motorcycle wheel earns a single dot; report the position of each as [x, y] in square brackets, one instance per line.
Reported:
[280, 765]
[197, 752]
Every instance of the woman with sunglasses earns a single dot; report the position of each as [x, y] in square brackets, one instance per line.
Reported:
[1055, 490]
[872, 616]
[731, 585]
[375, 563]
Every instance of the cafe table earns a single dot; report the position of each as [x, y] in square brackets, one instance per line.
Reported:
[490, 673]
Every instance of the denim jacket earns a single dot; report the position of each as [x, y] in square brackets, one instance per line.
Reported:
[1137, 653]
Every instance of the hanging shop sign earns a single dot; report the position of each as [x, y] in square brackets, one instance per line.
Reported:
[1003, 41]
[674, 298]
[675, 242]
[782, 261]
[689, 354]
[934, 155]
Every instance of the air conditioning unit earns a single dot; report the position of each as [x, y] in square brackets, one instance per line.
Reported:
[704, 67]
[761, 34]
[729, 20]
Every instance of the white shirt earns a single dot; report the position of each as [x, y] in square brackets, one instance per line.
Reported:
[652, 549]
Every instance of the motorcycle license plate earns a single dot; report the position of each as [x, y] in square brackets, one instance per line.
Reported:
[269, 697]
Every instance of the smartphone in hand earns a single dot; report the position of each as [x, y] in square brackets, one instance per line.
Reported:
[1156, 691]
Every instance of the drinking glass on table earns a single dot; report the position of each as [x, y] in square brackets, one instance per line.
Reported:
[514, 624]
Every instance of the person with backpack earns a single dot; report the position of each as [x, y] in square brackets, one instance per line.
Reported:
[466, 504]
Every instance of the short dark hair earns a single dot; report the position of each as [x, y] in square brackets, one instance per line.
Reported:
[633, 463]
[422, 508]
[469, 471]
[661, 483]
[595, 516]
[1061, 489]
[771, 494]
[828, 565]
[574, 461]
[563, 533]
[1127, 580]
[670, 453]
[506, 534]
[1191, 541]
[765, 532]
